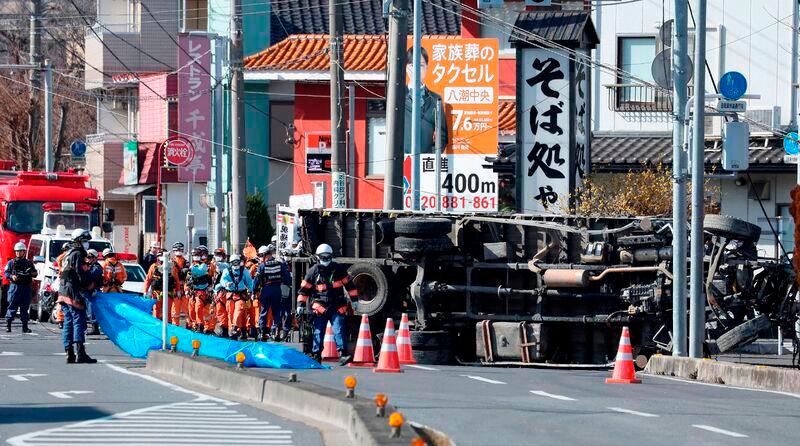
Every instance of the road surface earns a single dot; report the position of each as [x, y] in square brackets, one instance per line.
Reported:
[45, 401]
[480, 406]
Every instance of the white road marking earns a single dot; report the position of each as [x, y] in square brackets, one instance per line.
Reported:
[725, 386]
[201, 397]
[10, 353]
[59, 354]
[177, 423]
[65, 394]
[719, 431]
[632, 412]
[13, 370]
[421, 367]
[25, 376]
[551, 395]
[482, 379]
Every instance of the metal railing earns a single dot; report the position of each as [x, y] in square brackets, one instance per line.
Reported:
[639, 98]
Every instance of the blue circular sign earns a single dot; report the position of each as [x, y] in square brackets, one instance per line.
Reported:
[732, 85]
[790, 143]
[78, 148]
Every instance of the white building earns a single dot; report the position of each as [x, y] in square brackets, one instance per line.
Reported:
[633, 123]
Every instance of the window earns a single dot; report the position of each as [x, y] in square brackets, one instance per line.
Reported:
[57, 245]
[196, 14]
[24, 217]
[70, 221]
[135, 273]
[376, 146]
[149, 205]
[635, 59]
[34, 249]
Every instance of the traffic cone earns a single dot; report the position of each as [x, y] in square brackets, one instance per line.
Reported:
[404, 351]
[388, 362]
[365, 355]
[623, 367]
[329, 352]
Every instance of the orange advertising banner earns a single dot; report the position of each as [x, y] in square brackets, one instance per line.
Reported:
[460, 77]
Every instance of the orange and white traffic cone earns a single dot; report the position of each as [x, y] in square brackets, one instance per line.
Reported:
[329, 352]
[365, 355]
[623, 367]
[404, 351]
[388, 362]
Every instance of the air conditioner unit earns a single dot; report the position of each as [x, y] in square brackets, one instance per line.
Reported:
[767, 118]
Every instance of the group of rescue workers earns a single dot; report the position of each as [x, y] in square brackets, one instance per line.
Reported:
[233, 296]
[227, 296]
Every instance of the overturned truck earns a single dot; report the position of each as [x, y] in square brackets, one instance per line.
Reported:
[550, 290]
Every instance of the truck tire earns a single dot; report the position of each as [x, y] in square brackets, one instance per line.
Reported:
[731, 227]
[433, 357]
[423, 227]
[432, 347]
[42, 314]
[743, 334]
[423, 246]
[372, 285]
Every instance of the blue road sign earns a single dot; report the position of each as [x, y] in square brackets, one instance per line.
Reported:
[732, 85]
[790, 143]
[78, 148]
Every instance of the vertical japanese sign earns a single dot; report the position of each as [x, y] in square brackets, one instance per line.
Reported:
[461, 85]
[130, 163]
[546, 156]
[286, 227]
[581, 121]
[194, 104]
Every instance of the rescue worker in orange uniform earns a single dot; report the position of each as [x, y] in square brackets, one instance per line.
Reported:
[114, 274]
[181, 299]
[238, 284]
[198, 290]
[220, 263]
[255, 308]
[154, 285]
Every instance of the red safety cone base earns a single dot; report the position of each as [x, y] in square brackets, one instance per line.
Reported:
[623, 381]
[361, 364]
[385, 370]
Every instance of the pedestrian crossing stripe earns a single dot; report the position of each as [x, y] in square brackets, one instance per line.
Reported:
[197, 422]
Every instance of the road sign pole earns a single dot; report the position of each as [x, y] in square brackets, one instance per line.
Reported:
[164, 299]
[680, 58]
[48, 116]
[697, 308]
[189, 216]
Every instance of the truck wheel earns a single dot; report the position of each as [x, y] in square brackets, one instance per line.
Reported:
[731, 227]
[372, 285]
[743, 334]
[423, 227]
[432, 347]
[417, 245]
[42, 314]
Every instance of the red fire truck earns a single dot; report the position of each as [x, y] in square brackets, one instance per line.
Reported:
[31, 201]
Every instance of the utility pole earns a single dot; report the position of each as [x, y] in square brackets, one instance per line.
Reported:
[48, 116]
[697, 304]
[219, 198]
[396, 105]
[793, 106]
[338, 135]
[35, 59]
[416, 106]
[239, 170]
[680, 64]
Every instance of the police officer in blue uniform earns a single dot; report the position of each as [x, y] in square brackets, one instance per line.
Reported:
[20, 273]
[270, 275]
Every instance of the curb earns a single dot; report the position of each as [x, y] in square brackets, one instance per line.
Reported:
[728, 373]
[354, 416]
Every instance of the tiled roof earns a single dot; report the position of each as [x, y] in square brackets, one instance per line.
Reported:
[440, 17]
[566, 27]
[507, 117]
[632, 150]
[309, 52]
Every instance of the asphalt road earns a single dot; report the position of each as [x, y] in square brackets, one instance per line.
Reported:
[45, 401]
[481, 406]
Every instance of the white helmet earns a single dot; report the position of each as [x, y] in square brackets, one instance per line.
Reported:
[324, 254]
[81, 235]
[20, 246]
[274, 239]
[107, 252]
[91, 253]
[235, 259]
[262, 250]
[324, 249]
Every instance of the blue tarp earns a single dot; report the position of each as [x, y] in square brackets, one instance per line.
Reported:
[127, 320]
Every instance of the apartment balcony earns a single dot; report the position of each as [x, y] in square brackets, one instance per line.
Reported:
[639, 98]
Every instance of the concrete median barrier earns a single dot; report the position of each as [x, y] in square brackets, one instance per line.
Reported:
[720, 372]
[354, 416]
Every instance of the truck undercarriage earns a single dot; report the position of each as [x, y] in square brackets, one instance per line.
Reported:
[524, 289]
